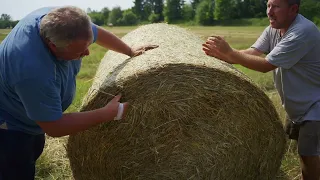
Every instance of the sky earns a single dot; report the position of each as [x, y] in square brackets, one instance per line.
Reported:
[17, 9]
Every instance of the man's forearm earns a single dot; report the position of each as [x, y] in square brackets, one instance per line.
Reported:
[246, 51]
[110, 41]
[72, 123]
[250, 61]
[251, 51]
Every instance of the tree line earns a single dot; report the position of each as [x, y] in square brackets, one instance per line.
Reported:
[6, 21]
[196, 12]
[200, 12]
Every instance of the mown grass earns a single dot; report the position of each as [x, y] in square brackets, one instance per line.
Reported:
[53, 164]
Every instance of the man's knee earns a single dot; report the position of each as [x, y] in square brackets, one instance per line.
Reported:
[309, 150]
[310, 167]
[309, 139]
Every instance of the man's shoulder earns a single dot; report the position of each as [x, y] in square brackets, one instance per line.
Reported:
[37, 13]
[27, 58]
[29, 25]
[301, 20]
[304, 27]
[24, 53]
[27, 63]
[25, 36]
[31, 20]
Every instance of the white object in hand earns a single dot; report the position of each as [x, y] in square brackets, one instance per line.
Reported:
[120, 112]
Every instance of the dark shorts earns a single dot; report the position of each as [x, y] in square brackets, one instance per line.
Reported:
[307, 134]
[18, 154]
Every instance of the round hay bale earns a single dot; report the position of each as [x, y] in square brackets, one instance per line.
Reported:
[191, 116]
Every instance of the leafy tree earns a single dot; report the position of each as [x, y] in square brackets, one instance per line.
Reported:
[105, 14]
[187, 12]
[194, 4]
[14, 23]
[204, 12]
[115, 16]
[158, 10]
[259, 8]
[173, 10]
[154, 18]
[5, 21]
[89, 10]
[310, 9]
[129, 18]
[223, 9]
[5, 17]
[138, 8]
[148, 6]
[96, 17]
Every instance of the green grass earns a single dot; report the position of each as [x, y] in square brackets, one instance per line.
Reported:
[3, 33]
[53, 164]
[246, 22]
[2, 36]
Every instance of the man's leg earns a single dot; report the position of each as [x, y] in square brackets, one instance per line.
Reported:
[19, 155]
[38, 146]
[309, 150]
[310, 167]
[2, 155]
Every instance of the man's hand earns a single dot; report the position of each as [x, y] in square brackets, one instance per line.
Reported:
[113, 109]
[110, 41]
[71, 123]
[140, 50]
[217, 47]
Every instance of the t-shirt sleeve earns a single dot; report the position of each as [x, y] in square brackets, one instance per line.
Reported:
[263, 42]
[290, 50]
[95, 32]
[40, 99]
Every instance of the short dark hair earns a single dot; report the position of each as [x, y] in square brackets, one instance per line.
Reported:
[292, 2]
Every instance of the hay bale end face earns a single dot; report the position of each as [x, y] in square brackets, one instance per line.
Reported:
[191, 116]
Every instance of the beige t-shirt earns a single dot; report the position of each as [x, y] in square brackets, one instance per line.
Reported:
[297, 78]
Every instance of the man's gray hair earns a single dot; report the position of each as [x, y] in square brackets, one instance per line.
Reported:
[63, 25]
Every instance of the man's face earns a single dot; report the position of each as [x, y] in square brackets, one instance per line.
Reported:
[280, 13]
[75, 50]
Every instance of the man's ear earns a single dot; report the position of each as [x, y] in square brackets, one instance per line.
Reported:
[294, 8]
[52, 47]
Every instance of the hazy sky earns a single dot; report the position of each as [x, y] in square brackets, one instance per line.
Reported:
[17, 9]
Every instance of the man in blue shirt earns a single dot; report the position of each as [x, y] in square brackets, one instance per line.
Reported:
[39, 61]
[292, 45]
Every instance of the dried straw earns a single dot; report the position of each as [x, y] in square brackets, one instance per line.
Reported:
[191, 116]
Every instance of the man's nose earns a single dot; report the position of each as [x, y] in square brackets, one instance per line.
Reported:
[269, 11]
[86, 52]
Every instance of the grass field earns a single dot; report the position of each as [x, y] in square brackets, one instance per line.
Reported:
[53, 164]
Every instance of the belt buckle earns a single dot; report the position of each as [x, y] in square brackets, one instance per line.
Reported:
[3, 126]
